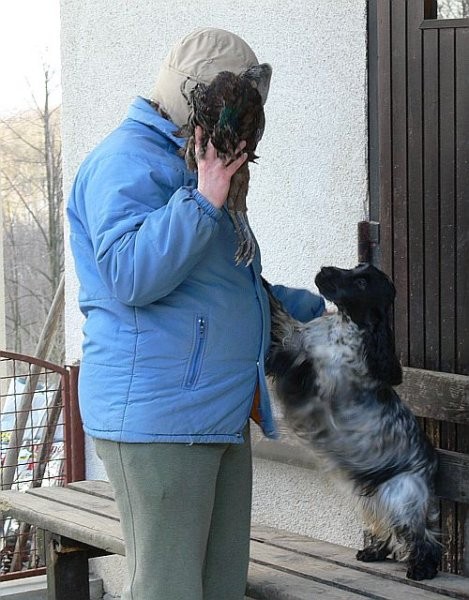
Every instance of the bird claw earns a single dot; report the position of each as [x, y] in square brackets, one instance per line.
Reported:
[246, 252]
[246, 244]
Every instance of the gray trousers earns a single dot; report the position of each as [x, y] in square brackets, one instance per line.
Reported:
[185, 514]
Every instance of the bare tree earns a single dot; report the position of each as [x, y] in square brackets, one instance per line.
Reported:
[32, 199]
[453, 9]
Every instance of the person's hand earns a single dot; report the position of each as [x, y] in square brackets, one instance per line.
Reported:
[214, 175]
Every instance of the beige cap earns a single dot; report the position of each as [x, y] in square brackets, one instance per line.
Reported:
[198, 58]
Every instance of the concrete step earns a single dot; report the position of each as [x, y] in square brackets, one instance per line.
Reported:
[35, 588]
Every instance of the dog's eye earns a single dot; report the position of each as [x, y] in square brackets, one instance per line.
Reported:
[361, 283]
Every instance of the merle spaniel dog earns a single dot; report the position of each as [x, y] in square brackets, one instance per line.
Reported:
[334, 378]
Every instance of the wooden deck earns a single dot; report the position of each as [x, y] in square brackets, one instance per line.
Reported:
[304, 568]
[82, 519]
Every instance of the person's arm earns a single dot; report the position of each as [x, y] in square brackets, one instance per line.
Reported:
[145, 240]
[302, 304]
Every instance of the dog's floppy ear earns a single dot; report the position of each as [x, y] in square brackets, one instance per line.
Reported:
[380, 350]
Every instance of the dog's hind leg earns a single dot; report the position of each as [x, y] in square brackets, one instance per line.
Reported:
[398, 514]
[418, 544]
[421, 550]
[403, 502]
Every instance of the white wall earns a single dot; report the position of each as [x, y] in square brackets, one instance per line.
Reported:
[309, 189]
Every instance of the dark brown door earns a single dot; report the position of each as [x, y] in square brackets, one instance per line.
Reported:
[419, 190]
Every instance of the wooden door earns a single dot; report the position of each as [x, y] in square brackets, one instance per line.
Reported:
[419, 192]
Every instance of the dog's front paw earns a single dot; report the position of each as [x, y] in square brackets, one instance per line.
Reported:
[372, 554]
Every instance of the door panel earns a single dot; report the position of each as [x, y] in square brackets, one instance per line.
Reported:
[419, 192]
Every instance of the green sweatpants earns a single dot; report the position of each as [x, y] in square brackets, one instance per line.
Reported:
[185, 513]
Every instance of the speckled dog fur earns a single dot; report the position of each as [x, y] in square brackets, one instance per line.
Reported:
[334, 377]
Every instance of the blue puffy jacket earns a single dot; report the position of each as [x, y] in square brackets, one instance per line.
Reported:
[175, 333]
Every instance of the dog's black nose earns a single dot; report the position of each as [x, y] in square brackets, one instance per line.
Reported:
[326, 273]
[328, 270]
[326, 281]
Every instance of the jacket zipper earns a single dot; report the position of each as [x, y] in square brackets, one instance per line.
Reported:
[258, 286]
[197, 359]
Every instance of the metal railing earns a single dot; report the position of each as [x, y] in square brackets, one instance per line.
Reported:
[41, 444]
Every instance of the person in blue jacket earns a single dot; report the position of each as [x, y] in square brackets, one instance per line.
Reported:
[175, 336]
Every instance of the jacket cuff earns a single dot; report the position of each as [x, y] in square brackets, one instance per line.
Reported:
[207, 206]
[318, 307]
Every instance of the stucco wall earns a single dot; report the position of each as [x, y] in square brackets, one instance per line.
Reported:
[308, 191]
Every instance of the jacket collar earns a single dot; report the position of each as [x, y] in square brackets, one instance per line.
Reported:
[141, 111]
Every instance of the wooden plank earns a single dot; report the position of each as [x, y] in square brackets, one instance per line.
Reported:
[452, 586]
[383, 9]
[344, 578]
[431, 289]
[462, 199]
[465, 556]
[445, 23]
[95, 487]
[448, 435]
[399, 181]
[462, 265]
[438, 395]
[265, 583]
[431, 198]
[76, 524]
[453, 476]
[65, 496]
[447, 198]
[415, 185]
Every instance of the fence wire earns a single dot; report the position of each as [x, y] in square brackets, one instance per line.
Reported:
[35, 448]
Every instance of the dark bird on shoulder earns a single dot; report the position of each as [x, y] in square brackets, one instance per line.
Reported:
[230, 110]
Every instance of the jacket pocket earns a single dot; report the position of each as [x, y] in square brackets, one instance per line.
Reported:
[198, 348]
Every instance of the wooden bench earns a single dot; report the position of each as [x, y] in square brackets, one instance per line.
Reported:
[80, 521]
